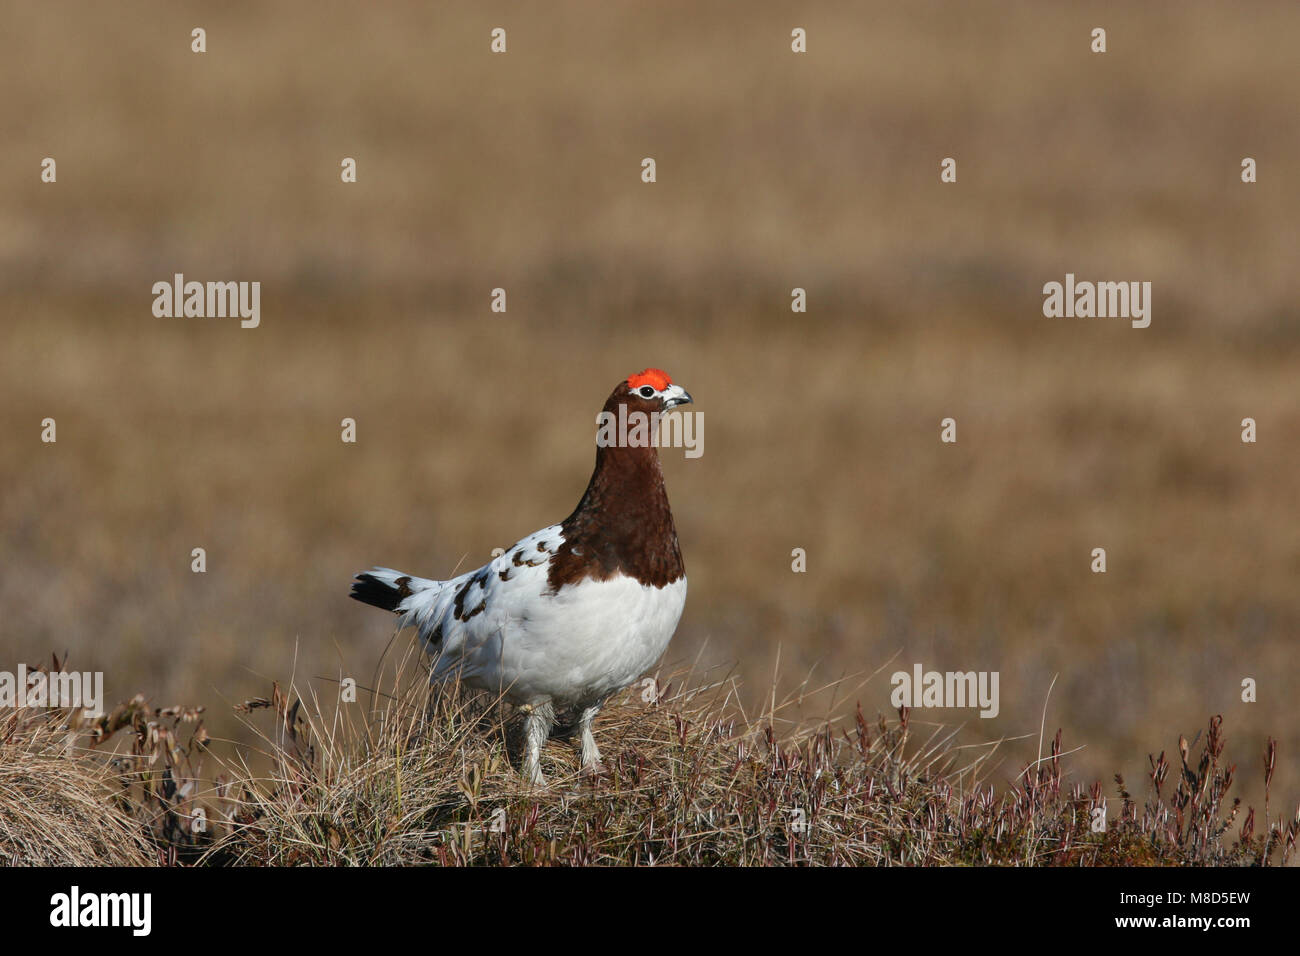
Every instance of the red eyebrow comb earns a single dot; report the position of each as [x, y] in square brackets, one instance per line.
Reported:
[655, 378]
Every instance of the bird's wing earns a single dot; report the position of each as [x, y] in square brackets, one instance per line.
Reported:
[465, 619]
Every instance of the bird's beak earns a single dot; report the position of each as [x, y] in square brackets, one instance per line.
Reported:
[675, 395]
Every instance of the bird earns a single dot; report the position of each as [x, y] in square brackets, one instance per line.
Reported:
[575, 612]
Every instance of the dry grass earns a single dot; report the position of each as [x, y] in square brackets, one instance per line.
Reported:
[426, 777]
[55, 801]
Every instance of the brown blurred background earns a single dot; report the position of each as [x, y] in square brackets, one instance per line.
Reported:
[775, 170]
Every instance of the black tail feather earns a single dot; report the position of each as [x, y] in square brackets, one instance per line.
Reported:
[371, 590]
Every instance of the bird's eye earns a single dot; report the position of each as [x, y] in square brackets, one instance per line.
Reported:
[647, 391]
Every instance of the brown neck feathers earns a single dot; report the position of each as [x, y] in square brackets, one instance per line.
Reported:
[623, 524]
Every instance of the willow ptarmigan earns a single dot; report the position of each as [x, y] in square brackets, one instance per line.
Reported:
[572, 613]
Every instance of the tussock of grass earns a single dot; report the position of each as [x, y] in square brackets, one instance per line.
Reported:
[55, 806]
[424, 776]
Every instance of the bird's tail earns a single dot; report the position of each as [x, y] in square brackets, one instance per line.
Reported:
[386, 588]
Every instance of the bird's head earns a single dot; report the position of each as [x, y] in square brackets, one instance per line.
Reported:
[649, 391]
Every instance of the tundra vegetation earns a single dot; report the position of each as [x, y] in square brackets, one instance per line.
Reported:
[413, 774]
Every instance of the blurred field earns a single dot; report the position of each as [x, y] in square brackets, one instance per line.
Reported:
[822, 430]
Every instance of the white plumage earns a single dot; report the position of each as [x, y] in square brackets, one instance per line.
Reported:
[578, 645]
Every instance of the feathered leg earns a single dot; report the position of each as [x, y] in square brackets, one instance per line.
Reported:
[537, 730]
[590, 752]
